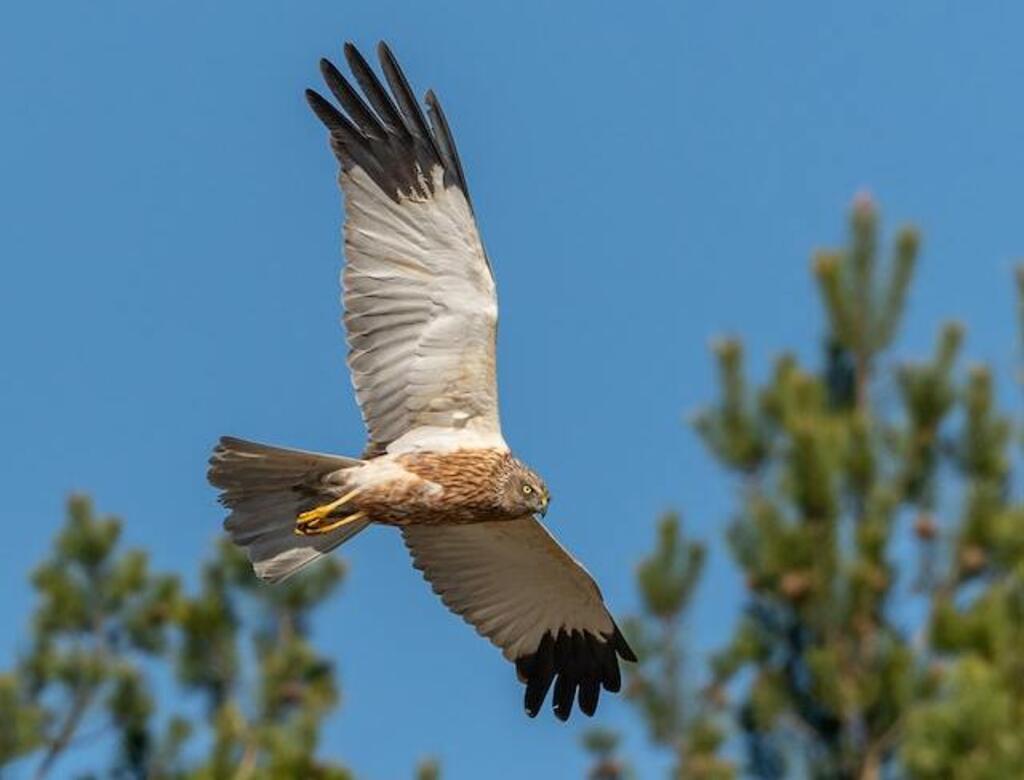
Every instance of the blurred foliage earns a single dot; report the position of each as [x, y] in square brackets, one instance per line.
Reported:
[602, 745]
[428, 769]
[263, 718]
[101, 615]
[105, 627]
[848, 664]
[881, 545]
[686, 726]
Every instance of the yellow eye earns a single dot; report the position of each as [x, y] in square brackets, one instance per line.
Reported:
[527, 489]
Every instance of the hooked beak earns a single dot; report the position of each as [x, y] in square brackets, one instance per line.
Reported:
[544, 506]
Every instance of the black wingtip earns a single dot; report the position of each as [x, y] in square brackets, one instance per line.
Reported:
[537, 671]
[579, 664]
[339, 126]
[354, 57]
[562, 698]
[324, 111]
[622, 646]
[590, 693]
[385, 132]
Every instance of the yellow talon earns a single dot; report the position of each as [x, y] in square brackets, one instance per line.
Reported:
[306, 530]
[310, 522]
[321, 512]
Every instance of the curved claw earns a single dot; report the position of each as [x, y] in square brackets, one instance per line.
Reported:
[313, 521]
[315, 527]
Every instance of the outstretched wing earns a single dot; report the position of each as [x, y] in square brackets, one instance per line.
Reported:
[519, 588]
[420, 304]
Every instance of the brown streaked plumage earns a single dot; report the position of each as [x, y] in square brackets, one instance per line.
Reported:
[421, 317]
[464, 486]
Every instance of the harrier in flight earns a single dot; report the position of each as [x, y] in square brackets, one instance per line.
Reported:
[421, 316]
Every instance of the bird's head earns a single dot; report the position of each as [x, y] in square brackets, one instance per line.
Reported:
[523, 491]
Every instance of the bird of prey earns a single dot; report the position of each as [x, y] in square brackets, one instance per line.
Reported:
[421, 316]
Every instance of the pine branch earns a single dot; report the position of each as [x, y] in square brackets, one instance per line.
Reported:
[82, 700]
[898, 283]
[80, 705]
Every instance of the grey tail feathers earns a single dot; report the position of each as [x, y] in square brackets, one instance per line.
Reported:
[266, 488]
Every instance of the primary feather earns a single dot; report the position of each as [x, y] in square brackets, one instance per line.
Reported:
[420, 305]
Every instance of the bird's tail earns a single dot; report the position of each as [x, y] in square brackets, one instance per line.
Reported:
[266, 488]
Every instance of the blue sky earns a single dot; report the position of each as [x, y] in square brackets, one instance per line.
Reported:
[647, 176]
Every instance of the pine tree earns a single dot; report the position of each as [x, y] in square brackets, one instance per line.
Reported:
[104, 623]
[972, 726]
[841, 470]
[264, 717]
[660, 686]
[101, 615]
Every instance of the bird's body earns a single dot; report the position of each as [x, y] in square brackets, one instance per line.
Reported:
[427, 488]
[421, 317]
